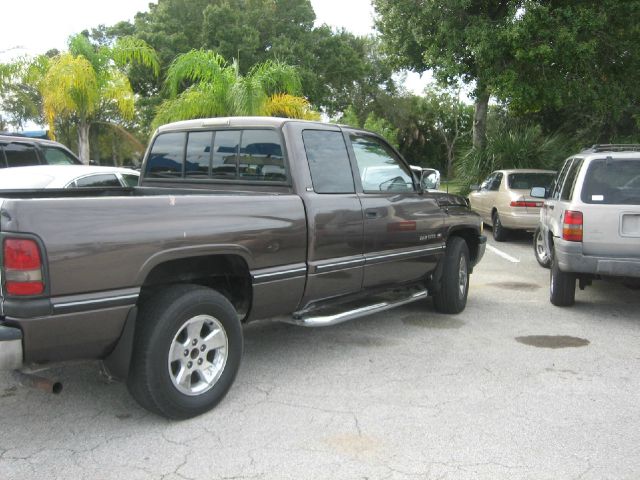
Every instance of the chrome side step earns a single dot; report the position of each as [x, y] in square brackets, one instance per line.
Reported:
[333, 315]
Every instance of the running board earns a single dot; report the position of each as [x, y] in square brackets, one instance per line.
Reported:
[337, 314]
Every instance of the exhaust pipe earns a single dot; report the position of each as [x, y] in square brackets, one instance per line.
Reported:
[34, 381]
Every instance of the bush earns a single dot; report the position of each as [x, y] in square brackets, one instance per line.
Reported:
[512, 146]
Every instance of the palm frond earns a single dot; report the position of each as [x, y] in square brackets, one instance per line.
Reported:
[277, 77]
[248, 97]
[117, 90]
[193, 67]
[289, 106]
[128, 50]
[69, 87]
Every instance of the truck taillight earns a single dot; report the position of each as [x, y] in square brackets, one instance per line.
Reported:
[572, 226]
[22, 267]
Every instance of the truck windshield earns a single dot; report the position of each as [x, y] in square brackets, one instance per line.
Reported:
[612, 182]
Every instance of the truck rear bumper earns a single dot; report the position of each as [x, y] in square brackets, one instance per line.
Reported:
[571, 259]
[10, 348]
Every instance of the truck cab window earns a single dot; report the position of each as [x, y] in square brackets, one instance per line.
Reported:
[166, 157]
[20, 155]
[261, 157]
[328, 161]
[380, 169]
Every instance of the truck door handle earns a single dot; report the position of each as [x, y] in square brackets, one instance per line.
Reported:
[371, 213]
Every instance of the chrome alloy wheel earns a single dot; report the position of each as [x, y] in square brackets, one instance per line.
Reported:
[540, 250]
[198, 355]
[462, 276]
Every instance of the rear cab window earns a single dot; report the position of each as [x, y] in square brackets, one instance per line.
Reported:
[611, 181]
[243, 155]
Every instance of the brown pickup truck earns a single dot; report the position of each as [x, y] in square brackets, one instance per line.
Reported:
[234, 220]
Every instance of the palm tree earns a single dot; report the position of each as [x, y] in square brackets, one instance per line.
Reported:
[88, 81]
[201, 83]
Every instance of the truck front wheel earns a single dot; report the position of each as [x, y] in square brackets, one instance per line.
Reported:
[562, 286]
[454, 287]
[187, 350]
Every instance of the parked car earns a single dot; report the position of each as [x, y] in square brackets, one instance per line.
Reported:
[66, 176]
[158, 280]
[503, 200]
[429, 178]
[590, 222]
[24, 151]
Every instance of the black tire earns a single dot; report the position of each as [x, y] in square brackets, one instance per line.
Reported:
[451, 297]
[542, 256]
[161, 327]
[562, 286]
[499, 232]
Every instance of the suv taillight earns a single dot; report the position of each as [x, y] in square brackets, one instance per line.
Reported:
[572, 226]
[22, 267]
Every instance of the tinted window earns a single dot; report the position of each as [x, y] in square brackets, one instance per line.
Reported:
[261, 157]
[20, 155]
[102, 180]
[165, 159]
[130, 180]
[57, 156]
[526, 181]
[225, 154]
[570, 180]
[495, 182]
[612, 182]
[560, 178]
[328, 161]
[380, 169]
[198, 154]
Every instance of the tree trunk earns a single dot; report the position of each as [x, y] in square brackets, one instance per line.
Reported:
[480, 118]
[83, 141]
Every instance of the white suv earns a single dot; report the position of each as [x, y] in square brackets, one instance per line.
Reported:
[590, 221]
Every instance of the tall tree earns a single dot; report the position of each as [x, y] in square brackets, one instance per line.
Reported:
[460, 40]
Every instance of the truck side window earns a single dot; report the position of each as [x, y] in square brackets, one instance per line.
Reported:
[380, 169]
[198, 154]
[261, 157]
[166, 157]
[20, 155]
[328, 161]
[555, 194]
[57, 156]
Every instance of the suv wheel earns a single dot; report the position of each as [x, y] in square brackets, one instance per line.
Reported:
[562, 286]
[499, 232]
[543, 258]
[187, 350]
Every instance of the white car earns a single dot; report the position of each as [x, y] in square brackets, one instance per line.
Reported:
[503, 200]
[66, 176]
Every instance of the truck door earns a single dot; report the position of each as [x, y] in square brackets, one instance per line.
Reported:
[334, 217]
[403, 229]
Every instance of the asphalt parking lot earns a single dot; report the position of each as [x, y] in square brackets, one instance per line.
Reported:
[511, 388]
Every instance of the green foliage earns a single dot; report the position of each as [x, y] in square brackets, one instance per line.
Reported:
[202, 84]
[512, 145]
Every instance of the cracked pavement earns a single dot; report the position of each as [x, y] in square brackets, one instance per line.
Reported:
[406, 394]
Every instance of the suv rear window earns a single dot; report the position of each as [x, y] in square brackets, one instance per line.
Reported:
[18, 155]
[612, 181]
[526, 181]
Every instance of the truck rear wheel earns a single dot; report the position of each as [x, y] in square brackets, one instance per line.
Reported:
[454, 287]
[562, 286]
[187, 350]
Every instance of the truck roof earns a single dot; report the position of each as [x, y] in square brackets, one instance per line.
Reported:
[233, 122]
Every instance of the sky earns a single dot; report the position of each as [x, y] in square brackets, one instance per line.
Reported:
[31, 27]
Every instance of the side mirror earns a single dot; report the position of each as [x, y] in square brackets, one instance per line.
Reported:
[538, 192]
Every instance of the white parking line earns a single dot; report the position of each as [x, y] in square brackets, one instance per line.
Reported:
[502, 254]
